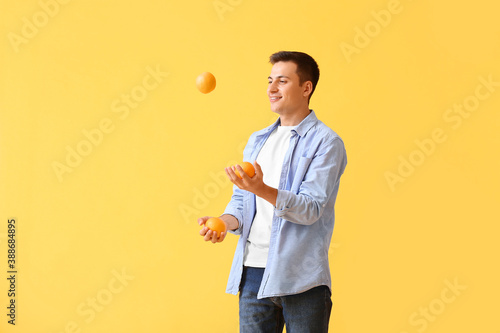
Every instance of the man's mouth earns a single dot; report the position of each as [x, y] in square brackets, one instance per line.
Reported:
[274, 98]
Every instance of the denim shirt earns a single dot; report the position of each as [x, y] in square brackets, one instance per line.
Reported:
[303, 219]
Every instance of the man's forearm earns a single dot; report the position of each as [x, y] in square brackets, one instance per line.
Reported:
[269, 194]
[231, 221]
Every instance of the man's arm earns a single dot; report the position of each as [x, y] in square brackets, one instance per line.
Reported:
[233, 214]
[209, 235]
[304, 204]
[255, 184]
[232, 222]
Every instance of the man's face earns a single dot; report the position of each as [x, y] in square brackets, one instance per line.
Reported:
[285, 93]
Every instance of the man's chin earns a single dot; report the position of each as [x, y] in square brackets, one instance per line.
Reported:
[275, 110]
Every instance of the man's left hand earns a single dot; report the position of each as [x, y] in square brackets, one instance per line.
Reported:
[254, 184]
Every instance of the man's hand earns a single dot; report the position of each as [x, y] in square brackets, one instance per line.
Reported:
[230, 221]
[255, 184]
[209, 235]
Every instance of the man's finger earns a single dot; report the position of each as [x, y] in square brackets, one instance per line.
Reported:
[243, 174]
[258, 169]
[214, 237]
[203, 231]
[229, 173]
[208, 235]
[232, 176]
[203, 219]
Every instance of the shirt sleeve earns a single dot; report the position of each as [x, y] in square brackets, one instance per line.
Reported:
[319, 182]
[235, 208]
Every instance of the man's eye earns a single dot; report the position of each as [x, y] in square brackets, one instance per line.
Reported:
[282, 81]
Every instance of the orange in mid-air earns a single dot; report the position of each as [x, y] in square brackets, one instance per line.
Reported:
[216, 224]
[205, 82]
[248, 168]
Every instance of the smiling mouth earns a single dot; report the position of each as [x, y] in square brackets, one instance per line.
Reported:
[275, 98]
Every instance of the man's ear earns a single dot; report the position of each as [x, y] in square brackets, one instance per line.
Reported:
[307, 86]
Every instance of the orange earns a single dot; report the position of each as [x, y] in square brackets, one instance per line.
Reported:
[216, 224]
[205, 82]
[248, 168]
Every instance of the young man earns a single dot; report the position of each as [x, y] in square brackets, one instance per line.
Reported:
[285, 213]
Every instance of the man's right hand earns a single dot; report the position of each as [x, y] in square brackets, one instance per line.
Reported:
[209, 235]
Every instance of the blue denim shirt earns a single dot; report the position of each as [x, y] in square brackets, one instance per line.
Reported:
[304, 215]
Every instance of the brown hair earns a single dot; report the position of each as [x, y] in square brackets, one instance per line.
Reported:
[307, 68]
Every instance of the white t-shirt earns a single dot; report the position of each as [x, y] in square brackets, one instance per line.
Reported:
[270, 159]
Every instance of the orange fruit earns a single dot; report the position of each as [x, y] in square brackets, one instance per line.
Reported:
[216, 224]
[205, 82]
[248, 168]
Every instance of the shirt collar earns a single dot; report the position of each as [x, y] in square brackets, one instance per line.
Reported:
[306, 124]
[301, 129]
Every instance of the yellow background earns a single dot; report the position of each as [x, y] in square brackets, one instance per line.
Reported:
[131, 204]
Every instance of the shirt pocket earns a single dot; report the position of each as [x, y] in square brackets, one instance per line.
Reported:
[300, 172]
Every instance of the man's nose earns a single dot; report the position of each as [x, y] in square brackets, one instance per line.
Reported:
[273, 87]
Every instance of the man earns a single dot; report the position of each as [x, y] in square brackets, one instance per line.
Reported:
[284, 214]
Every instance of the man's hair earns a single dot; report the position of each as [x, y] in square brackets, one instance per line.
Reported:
[307, 68]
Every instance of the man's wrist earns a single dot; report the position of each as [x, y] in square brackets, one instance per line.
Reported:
[231, 221]
[269, 194]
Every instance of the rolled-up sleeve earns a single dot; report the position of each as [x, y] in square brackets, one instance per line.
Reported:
[318, 183]
[235, 208]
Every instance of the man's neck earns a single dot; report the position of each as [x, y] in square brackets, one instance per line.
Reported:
[295, 118]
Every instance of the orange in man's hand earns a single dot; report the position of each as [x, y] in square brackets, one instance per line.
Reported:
[248, 168]
[216, 224]
[205, 82]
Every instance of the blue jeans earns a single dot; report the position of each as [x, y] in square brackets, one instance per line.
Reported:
[302, 313]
